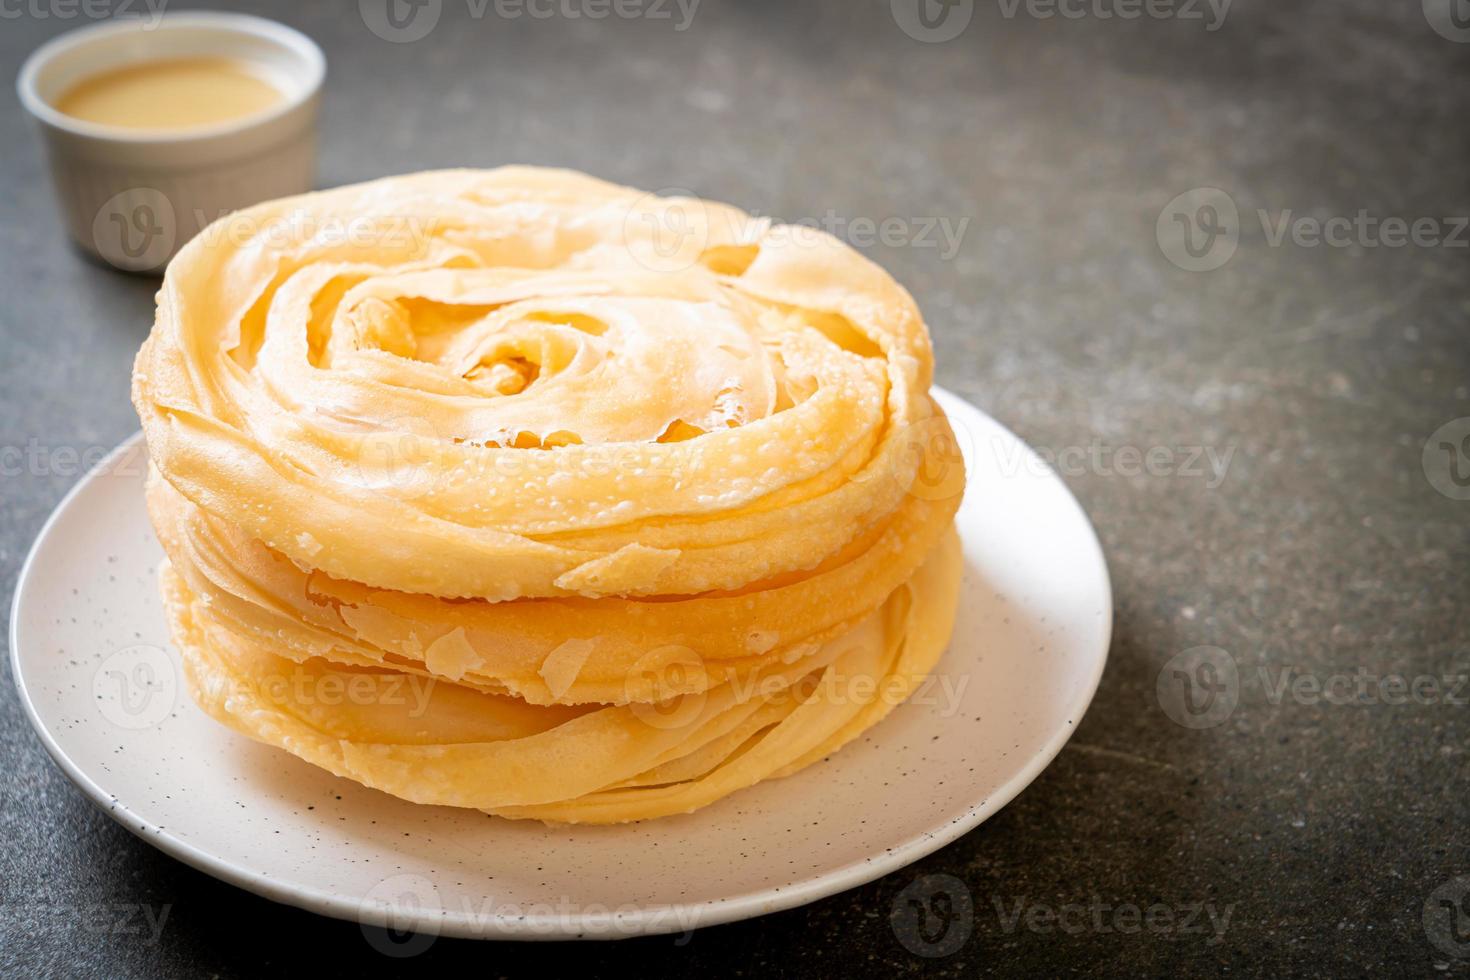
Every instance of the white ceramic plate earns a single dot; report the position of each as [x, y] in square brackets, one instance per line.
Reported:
[89, 648]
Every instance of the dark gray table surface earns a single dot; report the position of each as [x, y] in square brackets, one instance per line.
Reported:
[1333, 833]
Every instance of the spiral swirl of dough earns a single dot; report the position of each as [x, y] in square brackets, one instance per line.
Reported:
[568, 452]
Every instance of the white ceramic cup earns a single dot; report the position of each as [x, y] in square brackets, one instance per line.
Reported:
[133, 197]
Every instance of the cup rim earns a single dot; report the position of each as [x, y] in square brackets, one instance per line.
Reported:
[244, 24]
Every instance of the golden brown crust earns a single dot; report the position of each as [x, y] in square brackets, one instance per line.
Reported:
[638, 490]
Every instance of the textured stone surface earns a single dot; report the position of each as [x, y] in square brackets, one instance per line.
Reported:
[1313, 373]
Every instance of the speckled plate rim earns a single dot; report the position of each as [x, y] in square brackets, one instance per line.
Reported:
[615, 924]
